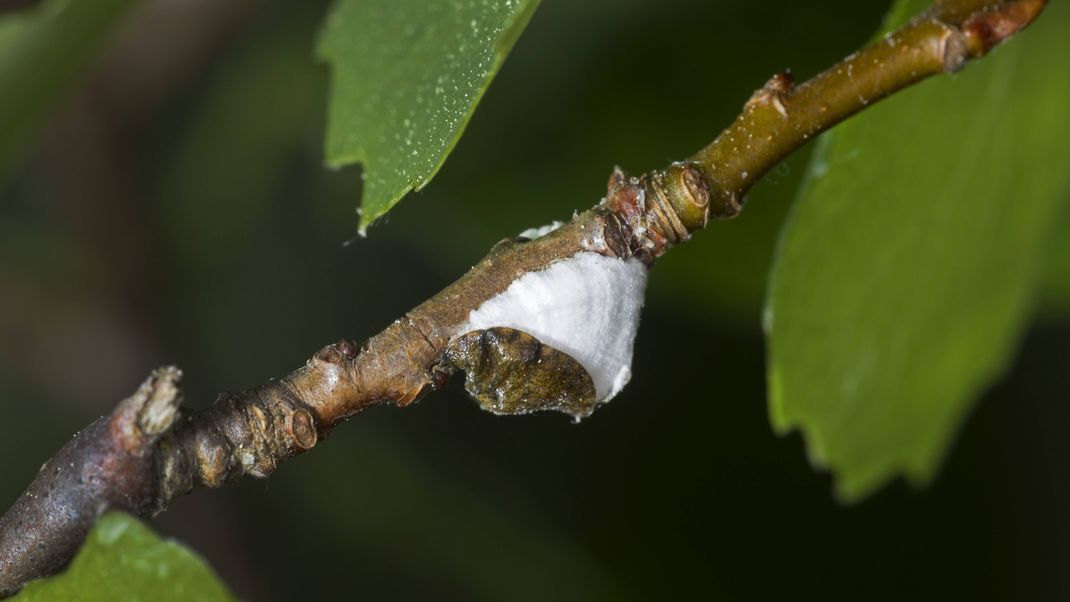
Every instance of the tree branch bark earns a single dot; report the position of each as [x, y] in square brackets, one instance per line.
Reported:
[781, 117]
[147, 451]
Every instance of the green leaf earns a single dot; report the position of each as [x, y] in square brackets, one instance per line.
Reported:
[907, 269]
[1055, 300]
[41, 51]
[406, 78]
[122, 559]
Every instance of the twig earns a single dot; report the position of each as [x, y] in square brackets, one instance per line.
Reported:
[146, 452]
[781, 117]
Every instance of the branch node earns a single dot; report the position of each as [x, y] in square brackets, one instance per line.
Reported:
[954, 48]
[301, 427]
[140, 419]
[339, 352]
[987, 28]
[772, 94]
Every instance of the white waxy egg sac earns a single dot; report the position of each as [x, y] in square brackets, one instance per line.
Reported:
[586, 306]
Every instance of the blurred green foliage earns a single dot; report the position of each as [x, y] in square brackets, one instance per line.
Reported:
[907, 269]
[42, 51]
[1055, 297]
[405, 80]
[215, 240]
[123, 560]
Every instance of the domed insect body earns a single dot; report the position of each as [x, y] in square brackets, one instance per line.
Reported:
[581, 310]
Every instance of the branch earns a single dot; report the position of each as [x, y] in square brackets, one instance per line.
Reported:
[781, 117]
[148, 451]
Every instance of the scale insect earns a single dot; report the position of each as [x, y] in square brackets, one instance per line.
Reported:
[557, 339]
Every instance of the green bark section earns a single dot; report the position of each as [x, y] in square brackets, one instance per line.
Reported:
[406, 78]
[124, 560]
[907, 269]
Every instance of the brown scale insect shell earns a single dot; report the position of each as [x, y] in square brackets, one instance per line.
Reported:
[509, 372]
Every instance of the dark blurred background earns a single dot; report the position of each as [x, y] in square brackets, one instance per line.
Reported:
[173, 209]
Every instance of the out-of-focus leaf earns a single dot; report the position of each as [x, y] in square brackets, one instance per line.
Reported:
[489, 542]
[906, 271]
[406, 78]
[241, 140]
[41, 51]
[1055, 300]
[122, 559]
